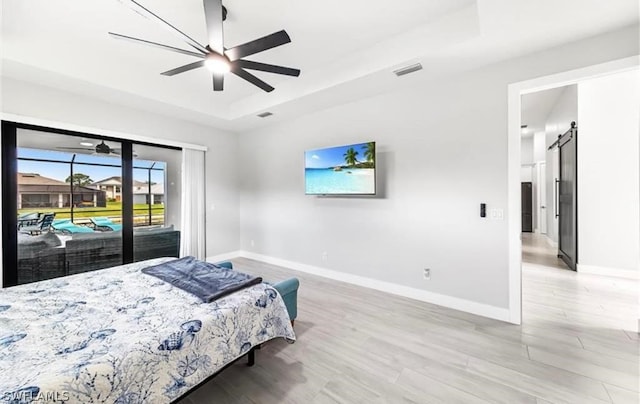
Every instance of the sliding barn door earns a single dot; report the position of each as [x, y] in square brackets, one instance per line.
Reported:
[568, 198]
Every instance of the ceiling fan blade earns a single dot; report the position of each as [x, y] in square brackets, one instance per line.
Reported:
[258, 45]
[155, 44]
[118, 152]
[75, 148]
[138, 8]
[218, 81]
[248, 64]
[213, 17]
[252, 79]
[184, 68]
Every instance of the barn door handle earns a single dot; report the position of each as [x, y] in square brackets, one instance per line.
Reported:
[557, 198]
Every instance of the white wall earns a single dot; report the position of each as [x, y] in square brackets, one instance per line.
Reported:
[608, 151]
[526, 150]
[526, 173]
[539, 147]
[442, 150]
[558, 122]
[539, 157]
[37, 101]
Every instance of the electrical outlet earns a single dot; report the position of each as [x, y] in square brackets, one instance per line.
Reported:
[427, 273]
[325, 256]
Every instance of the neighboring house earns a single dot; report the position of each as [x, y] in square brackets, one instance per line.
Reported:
[36, 191]
[142, 195]
[112, 186]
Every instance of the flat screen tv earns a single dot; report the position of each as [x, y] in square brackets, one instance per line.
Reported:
[341, 170]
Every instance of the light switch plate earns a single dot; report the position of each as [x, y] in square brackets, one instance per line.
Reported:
[497, 214]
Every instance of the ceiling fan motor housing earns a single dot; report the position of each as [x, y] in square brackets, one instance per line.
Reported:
[103, 148]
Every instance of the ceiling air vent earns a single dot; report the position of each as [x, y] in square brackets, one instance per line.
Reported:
[408, 69]
[265, 114]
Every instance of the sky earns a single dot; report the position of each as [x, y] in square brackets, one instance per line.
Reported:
[60, 171]
[331, 157]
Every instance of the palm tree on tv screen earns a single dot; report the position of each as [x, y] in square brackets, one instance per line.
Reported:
[351, 156]
[370, 151]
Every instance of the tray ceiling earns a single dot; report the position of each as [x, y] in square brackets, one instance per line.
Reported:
[342, 47]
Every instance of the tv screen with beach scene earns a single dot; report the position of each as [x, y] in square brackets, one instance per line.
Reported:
[341, 170]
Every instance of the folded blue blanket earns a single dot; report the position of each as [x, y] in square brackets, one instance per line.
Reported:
[202, 279]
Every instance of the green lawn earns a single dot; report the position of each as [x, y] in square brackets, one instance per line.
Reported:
[113, 209]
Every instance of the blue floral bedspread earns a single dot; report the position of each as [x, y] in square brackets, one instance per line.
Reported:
[120, 336]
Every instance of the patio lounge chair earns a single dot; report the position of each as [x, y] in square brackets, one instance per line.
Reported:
[43, 224]
[28, 219]
[66, 226]
[105, 224]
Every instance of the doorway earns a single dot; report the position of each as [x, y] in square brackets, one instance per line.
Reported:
[515, 123]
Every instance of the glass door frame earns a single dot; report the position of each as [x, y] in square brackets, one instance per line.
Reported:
[8, 176]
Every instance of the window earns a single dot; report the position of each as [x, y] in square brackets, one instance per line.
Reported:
[36, 201]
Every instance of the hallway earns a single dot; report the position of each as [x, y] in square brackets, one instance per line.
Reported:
[537, 250]
[579, 299]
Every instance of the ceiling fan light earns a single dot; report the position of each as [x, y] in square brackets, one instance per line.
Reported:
[217, 64]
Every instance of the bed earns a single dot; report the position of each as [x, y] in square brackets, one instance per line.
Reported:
[121, 336]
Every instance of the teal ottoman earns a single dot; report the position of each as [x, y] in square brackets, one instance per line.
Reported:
[287, 288]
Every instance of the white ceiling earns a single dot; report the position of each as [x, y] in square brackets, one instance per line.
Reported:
[342, 47]
[536, 107]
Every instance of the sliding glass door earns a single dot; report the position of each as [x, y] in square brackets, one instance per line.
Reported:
[77, 202]
[67, 222]
[156, 202]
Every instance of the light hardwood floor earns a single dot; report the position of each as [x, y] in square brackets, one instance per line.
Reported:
[577, 344]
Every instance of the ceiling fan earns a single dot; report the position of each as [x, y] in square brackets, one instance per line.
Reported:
[215, 56]
[100, 149]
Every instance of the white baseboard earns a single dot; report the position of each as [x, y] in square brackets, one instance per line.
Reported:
[604, 271]
[224, 257]
[468, 306]
[551, 242]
